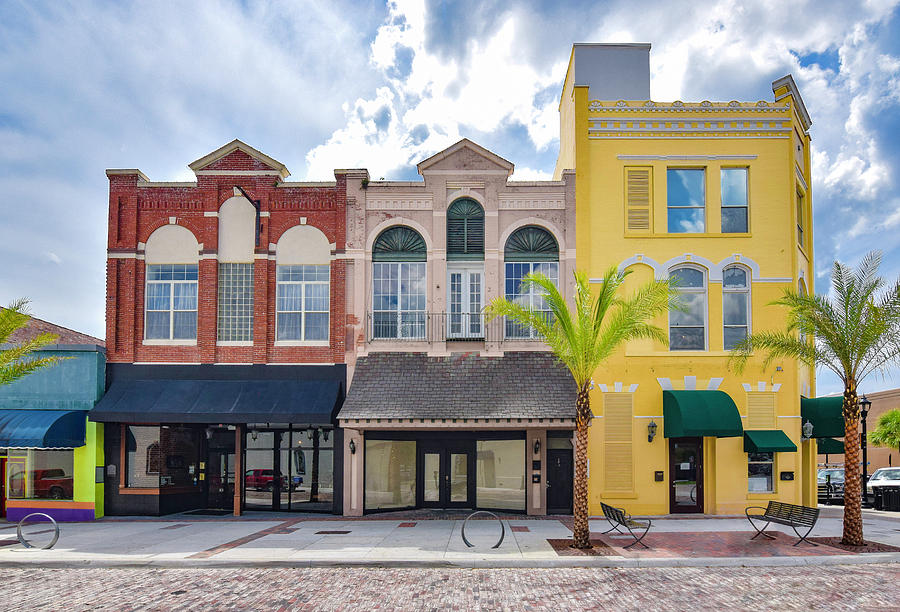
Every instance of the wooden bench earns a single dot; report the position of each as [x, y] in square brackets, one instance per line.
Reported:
[784, 514]
[618, 519]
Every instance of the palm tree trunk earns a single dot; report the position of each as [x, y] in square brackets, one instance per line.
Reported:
[853, 528]
[581, 531]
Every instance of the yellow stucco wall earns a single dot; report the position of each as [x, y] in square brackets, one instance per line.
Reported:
[769, 139]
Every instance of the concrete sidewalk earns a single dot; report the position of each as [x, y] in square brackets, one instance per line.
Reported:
[290, 541]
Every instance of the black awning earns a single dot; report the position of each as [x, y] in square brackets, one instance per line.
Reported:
[219, 401]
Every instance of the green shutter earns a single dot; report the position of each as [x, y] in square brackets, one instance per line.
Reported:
[399, 243]
[465, 230]
[531, 243]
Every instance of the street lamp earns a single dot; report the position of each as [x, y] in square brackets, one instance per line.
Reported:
[864, 405]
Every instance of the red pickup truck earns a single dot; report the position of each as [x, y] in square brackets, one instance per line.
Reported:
[262, 480]
[52, 483]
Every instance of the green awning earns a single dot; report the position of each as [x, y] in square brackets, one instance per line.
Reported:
[768, 441]
[700, 413]
[825, 414]
[830, 446]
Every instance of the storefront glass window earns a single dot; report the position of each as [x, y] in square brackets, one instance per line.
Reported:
[501, 474]
[142, 456]
[39, 474]
[179, 461]
[390, 474]
[760, 470]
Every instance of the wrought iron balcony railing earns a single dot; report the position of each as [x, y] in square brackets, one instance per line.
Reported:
[421, 326]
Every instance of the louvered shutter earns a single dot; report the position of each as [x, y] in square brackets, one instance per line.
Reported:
[637, 200]
[761, 411]
[465, 230]
[618, 455]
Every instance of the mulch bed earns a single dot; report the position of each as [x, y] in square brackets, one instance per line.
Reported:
[564, 548]
[870, 547]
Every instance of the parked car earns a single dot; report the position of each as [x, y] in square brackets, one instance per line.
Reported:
[262, 480]
[883, 477]
[831, 485]
[52, 483]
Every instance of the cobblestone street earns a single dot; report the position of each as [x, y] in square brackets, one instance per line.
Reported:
[865, 587]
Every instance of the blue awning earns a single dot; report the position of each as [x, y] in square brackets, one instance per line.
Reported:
[42, 428]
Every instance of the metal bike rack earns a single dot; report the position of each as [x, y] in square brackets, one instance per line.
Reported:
[28, 544]
[502, 529]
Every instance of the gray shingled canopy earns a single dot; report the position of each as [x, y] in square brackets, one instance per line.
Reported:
[529, 385]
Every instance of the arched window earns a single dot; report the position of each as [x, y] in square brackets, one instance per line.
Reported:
[528, 249]
[398, 285]
[735, 305]
[465, 231]
[687, 324]
[170, 308]
[302, 301]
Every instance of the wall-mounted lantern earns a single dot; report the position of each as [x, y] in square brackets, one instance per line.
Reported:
[651, 431]
[352, 447]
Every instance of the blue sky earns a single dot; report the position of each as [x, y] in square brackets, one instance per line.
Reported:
[319, 85]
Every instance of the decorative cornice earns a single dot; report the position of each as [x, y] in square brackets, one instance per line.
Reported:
[761, 387]
[689, 384]
[596, 106]
[618, 387]
[532, 201]
[401, 202]
[685, 157]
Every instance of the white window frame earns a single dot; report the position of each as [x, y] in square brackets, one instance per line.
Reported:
[471, 323]
[304, 284]
[702, 290]
[746, 290]
[532, 334]
[171, 310]
[400, 311]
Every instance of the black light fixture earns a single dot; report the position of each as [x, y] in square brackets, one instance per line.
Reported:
[254, 435]
[309, 434]
[651, 430]
[352, 447]
[807, 430]
[325, 433]
[864, 405]
[209, 433]
[537, 446]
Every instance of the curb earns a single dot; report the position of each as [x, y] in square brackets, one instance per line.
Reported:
[482, 563]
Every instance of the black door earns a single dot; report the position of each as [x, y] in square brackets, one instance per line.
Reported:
[560, 476]
[220, 476]
[686, 475]
[446, 477]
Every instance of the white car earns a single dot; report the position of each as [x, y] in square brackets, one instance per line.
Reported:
[883, 477]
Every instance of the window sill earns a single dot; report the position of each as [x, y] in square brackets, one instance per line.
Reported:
[279, 343]
[761, 495]
[234, 343]
[169, 342]
[690, 235]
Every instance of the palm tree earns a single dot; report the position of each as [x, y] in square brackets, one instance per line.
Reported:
[14, 361]
[853, 333]
[582, 338]
[888, 431]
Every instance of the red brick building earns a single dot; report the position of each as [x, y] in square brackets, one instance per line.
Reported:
[226, 332]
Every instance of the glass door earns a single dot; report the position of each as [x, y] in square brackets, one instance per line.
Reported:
[465, 301]
[444, 480]
[686, 475]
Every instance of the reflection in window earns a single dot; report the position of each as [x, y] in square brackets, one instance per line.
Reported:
[500, 474]
[686, 197]
[687, 324]
[302, 302]
[142, 464]
[734, 200]
[398, 300]
[162, 456]
[735, 305]
[760, 471]
[530, 297]
[390, 474]
[171, 308]
[39, 474]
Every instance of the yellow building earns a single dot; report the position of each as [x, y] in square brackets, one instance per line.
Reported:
[716, 194]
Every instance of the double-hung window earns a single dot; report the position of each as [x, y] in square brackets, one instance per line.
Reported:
[171, 306]
[235, 312]
[734, 201]
[687, 321]
[302, 302]
[686, 200]
[761, 472]
[735, 305]
[398, 300]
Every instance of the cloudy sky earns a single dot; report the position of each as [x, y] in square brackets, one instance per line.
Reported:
[318, 85]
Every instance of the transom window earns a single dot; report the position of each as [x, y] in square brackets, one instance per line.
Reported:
[735, 305]
[687, 325]
[686, 197]
[465, 230]
[398, 285]
[235, 312]
[302, 302]
[171, 308]
[734, 200]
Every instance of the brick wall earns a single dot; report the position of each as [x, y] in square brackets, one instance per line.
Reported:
[136, 209]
